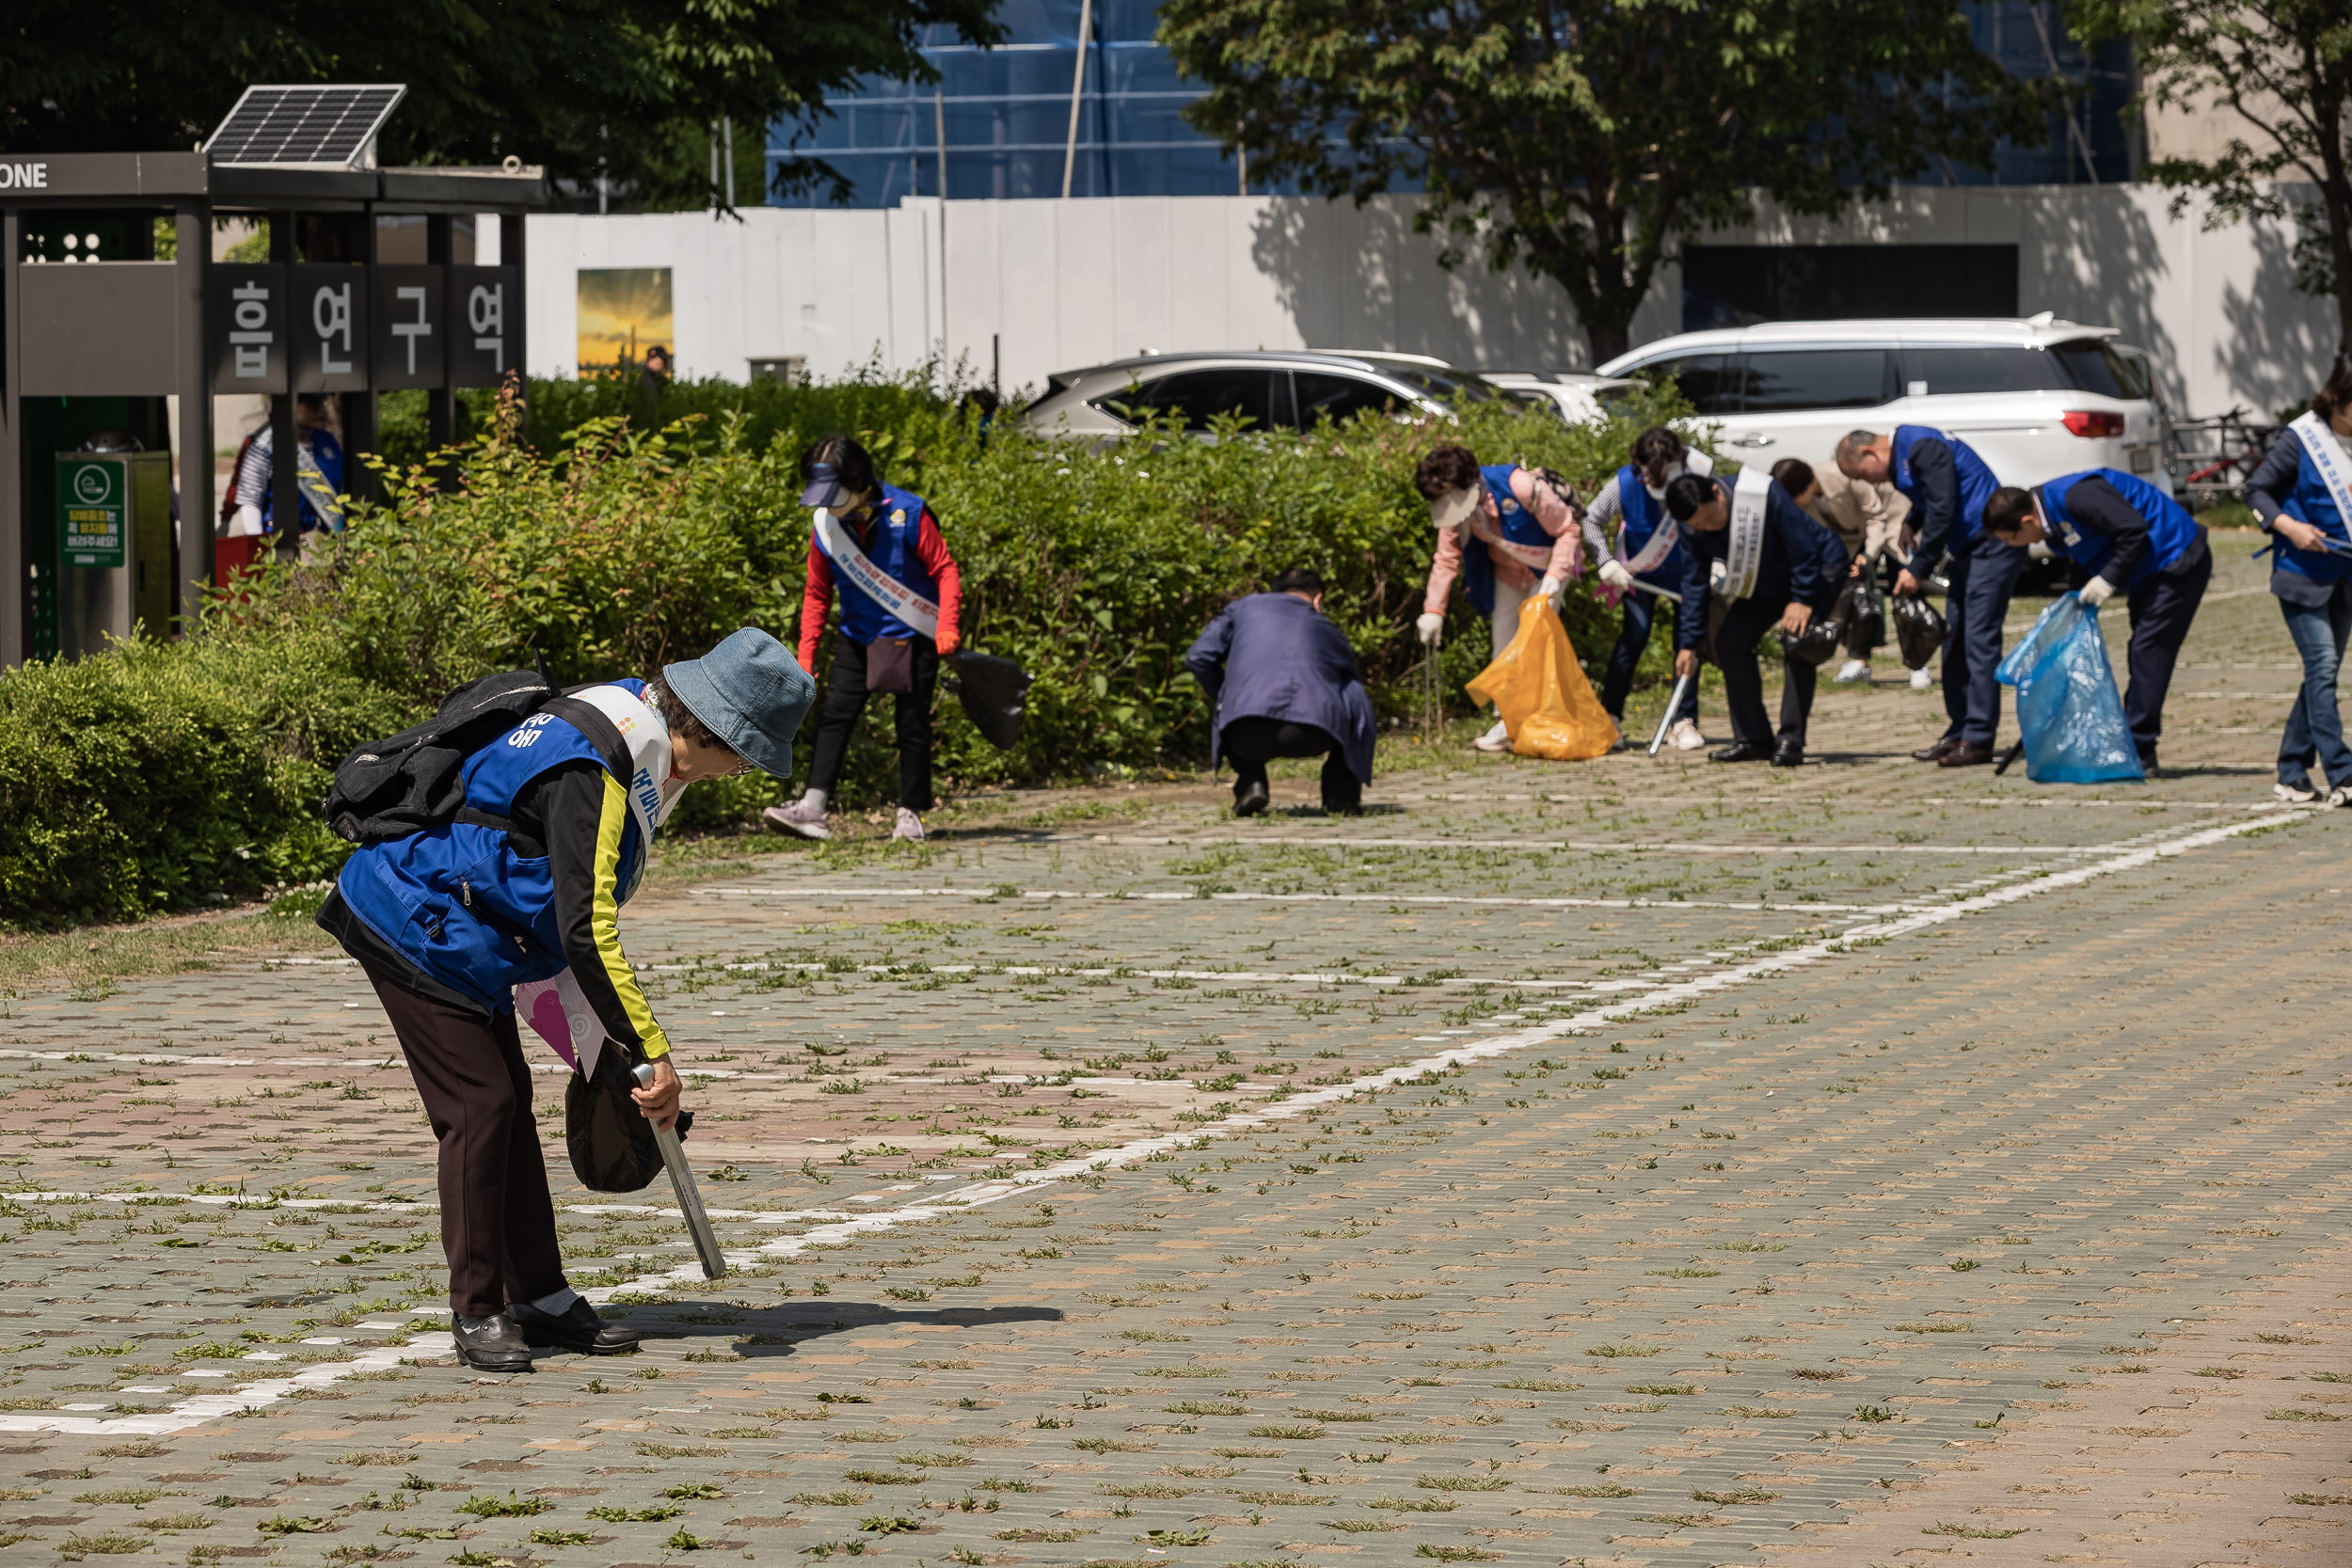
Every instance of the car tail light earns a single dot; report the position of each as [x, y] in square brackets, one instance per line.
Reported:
[2084, 421]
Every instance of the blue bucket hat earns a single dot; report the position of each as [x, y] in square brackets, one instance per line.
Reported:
[750, 693]
[825, 488]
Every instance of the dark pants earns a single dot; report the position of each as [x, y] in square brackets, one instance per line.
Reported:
[1639, 610]
[845, 699]
[1250, 744]
[1746, 624]
[2161, 610]
[1982, 573]
[498, 1222]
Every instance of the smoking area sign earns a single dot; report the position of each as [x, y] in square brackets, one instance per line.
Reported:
[93, 512]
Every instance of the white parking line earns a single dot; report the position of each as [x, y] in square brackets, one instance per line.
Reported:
[198, 1411]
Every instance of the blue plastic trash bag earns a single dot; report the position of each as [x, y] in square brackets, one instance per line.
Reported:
[2068, 709]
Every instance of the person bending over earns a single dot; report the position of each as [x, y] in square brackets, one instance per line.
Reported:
[526, 882]
[1282, 682]
[2131, 538]
[1508, 532]
[901, 600]
[1645, 563]
[1781, 567]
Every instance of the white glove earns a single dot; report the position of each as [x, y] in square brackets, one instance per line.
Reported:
[1428, 628]
[2095, 592]
[1615, 574]
[1553, 589]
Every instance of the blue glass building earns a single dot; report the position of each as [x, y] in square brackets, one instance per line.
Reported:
[1006, 113]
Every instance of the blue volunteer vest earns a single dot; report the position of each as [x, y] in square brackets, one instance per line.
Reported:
[456, 901]
[892, 533]
[1976, 482]
[1642, 513]
[2312, 502]
[2172, 531]
[1518, 526]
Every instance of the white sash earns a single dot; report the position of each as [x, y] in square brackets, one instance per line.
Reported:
[2327, 455]
[557, 1009]
[912, 609]
[1743, 550]
[1668, 534]
[311, 481]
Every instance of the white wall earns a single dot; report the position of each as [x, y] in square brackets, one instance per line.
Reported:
[1061, 285]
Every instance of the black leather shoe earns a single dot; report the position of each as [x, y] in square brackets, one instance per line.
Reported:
[2148, 765]
[1937, 752]
[1788, 753]
[1342, 808]
[1249, 800]
[1742, 751]
[493, 1344]
[1966, 754]
[577, 1327]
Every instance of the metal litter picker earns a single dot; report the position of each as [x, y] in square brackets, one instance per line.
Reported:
[690, 1198]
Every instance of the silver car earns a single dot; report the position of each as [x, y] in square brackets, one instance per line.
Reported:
[1272, 391]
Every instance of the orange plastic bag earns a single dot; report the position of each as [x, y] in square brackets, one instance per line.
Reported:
[1541, 692]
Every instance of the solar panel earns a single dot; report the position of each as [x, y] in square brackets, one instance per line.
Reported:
[324, 124]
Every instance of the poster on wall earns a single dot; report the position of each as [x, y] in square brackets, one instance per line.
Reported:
[624, 312]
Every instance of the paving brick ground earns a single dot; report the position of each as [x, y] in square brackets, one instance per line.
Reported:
[1627, 1163]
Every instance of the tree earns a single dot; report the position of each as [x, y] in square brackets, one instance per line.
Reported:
[625, 88]
[1590, 137]
[2283, 70]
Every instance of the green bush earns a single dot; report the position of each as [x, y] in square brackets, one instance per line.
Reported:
[155, 776]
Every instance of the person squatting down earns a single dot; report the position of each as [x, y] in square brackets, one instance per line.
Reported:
[2302, 493]
[1780, 567]
[1282, 682]
[2131, 538]
[902, 603]
[1947, 486]
[1524, 522]
[526, 882]
[1872, 521]
[1646, 564]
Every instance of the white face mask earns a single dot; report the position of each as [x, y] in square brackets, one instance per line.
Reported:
[1657, 492]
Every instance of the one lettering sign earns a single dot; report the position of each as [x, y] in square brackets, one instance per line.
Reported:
[23, 176]
[247, 311]
[485, 319]
[410, 328]
[330, 329]
[92, 511]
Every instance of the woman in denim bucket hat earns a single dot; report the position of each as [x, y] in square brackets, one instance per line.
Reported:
[526, 882]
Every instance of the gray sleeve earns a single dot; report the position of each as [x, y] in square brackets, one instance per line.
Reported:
[1598, 519]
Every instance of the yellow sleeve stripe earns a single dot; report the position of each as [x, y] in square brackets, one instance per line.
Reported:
[606, 922]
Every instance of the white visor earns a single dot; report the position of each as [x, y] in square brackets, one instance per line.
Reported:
[1453, 508]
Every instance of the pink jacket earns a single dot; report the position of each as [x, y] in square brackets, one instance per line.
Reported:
[1547, 510]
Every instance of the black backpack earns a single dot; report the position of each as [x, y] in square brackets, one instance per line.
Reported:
[407, 782]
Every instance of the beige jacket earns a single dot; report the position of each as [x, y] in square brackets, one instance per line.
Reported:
[1870, 519]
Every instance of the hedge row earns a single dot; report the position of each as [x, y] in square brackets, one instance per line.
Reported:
[155, 776]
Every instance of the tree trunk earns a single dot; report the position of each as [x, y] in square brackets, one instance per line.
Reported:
[1609, 339]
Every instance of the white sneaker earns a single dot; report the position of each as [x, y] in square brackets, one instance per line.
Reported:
[1852, 670]
[2338, 797]
[1921, 680]
[2295, 795]
[1685, 737]
[909, 827]
[1496, 740]
[799, 817]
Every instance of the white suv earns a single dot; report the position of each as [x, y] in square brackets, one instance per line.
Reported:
[2035, 398]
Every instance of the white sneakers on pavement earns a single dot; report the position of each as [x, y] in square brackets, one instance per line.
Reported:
[1685, 737]
[1852, 670]
[909, 827]
[1921, 680]
[1496, 740]
[799, 817]
[2295, 795]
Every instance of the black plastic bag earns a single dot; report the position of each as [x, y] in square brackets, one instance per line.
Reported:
[992, 691]
[609, 1139]
[1918, 630]
[1818, 644]
[1865, 622]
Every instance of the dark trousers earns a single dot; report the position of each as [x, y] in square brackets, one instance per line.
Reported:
[845, 699]
[2161, 610]
[1250, 744]
[1639, 610]
[1746, 624]
[1982, 573]
[497, 1221]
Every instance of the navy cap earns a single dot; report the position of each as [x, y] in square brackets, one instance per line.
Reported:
[825, 488]
[750, 693]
